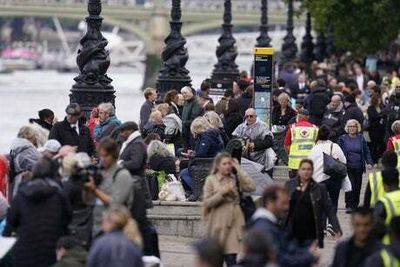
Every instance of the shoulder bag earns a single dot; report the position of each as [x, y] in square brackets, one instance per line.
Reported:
[334, 167]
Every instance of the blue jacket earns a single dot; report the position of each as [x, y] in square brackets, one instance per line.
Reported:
[208, 144]
[113, 249]
[287, 253]
[344, 142]
[105, 128]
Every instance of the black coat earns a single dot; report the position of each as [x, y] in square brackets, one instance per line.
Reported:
[245, 101]
[64, 134]
[39, 214]
[343, 249]
[278, 119]
[353, 112]
[321, 203]
[160, 163]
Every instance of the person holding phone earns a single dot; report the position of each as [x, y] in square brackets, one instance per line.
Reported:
[222, 212]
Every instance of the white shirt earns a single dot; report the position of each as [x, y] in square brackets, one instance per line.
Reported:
[360, 82]
[76, 127]
[316, 155]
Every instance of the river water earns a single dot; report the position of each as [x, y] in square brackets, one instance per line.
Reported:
[24, 93]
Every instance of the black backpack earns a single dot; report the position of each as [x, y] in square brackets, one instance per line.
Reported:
[318, 103]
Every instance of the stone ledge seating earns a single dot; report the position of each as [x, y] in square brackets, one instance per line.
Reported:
[184, 219]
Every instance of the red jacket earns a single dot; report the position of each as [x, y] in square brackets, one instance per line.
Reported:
[389, 144]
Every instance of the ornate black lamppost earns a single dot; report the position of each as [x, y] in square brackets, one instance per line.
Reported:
[307, 46]
[289, 47]
[92, 86]
[173, 74]
[264, 40]
[320, 47]
[226, 71]
[329, 46]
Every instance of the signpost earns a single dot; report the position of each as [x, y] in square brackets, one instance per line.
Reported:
[263, 73]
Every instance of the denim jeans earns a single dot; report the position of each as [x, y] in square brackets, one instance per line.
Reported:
[333, 187]
[186, 179]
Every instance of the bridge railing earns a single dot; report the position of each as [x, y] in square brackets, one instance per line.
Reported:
[210, 5]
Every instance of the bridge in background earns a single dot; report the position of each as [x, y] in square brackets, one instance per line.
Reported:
[149, 22]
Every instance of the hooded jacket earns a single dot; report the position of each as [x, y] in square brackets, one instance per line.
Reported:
[333, 118]
[39, 215]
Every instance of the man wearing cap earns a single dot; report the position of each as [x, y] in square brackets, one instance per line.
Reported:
[72, 132]
[50, 148]
[300, 139]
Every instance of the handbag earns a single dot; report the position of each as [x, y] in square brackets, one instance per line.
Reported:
[246, 203]
[333, 167]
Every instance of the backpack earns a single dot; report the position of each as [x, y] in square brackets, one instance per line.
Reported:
[318, 104]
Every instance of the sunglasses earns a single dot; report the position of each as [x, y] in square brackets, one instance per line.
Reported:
[250, 116]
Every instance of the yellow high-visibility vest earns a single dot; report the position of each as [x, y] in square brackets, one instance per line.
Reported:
[388, 259]
[396, 145]
[376, 185]
[303, 140]
[391, 202]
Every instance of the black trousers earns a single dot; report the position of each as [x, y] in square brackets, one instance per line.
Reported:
[352, 198]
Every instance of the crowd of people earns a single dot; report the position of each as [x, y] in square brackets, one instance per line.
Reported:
[78, 190]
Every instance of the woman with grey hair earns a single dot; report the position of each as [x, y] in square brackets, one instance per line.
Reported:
[160, 158]
[107, 121]
[358, 156]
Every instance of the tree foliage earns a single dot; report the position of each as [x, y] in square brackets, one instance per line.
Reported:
[360, 26]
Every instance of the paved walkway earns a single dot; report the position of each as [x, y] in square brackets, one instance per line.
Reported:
[176, 252]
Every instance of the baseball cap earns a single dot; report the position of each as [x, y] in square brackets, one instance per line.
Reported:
[52, 146]
[304, 112]
[73, 109]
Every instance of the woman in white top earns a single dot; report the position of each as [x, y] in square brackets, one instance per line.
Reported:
[324, 145]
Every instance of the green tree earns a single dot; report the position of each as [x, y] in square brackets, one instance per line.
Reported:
[360, 26]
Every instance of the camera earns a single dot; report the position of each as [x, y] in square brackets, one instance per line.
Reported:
[83, 175]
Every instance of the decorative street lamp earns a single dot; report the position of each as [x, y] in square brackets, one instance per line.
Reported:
[329, 45]
[264, 40]
[226, 71]
[92, 86]
[173, 74]
[289, 47]
[307, 46]
[320, 48]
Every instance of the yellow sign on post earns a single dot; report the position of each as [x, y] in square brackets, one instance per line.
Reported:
[263, 77]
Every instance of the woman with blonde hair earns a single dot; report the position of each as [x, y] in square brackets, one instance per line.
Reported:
[173, 125]
[121, 242]
[223, 215]
[208, 143]
[216, 122]
[356, 151]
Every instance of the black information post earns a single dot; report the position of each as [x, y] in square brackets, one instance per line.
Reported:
[263, 73]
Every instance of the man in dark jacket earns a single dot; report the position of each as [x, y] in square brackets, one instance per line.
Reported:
[191, 110]
[333, 117]
[351, 110]
[133, 155]
[317, 101]
[72, 132]
[390, 255]
[150, 94]
[276, 205]
[356, 249]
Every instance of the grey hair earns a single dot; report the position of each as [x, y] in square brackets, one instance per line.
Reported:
[396, 126]
[346, 128]
[214, 119]
[108, 107]
[187, 89]
[199, 126]
[157, 147]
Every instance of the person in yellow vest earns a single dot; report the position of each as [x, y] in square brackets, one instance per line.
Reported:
[374, 190]
[300, 139]
[389, 205]
[393, 143]
[388, 256]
